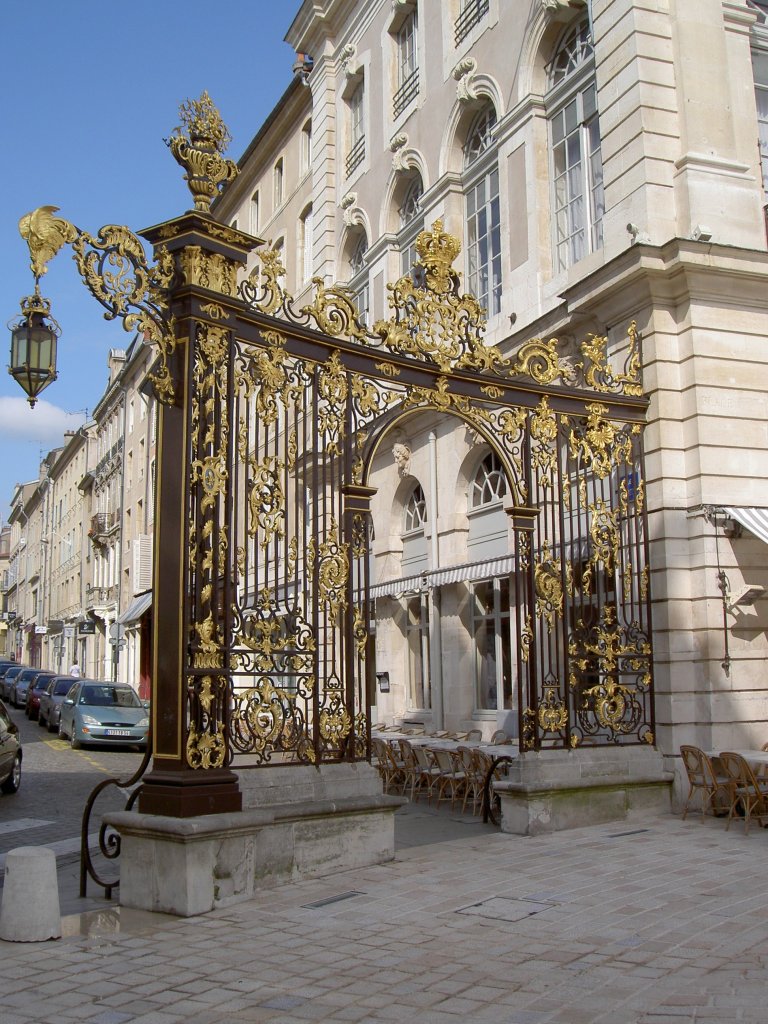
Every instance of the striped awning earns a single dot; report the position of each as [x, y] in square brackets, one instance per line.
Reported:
[754, 519]
[136, 608]
[444, 577]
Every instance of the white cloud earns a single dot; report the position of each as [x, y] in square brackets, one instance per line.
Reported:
[45, 423]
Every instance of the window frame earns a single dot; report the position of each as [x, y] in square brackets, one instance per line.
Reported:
[480, 167]
[356, 124]
[574, 147]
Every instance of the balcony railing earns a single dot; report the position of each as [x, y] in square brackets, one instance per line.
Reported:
[356, 155]
[101, 525]
[473, 12]
[96, 596]
[408, 91]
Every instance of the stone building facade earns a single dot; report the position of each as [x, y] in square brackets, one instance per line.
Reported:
[601, 164]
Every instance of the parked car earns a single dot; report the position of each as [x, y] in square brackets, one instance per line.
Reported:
[10, 752]
[100, 712]
[51, 700]
[20, 686]
[6, 681]
[38, 684]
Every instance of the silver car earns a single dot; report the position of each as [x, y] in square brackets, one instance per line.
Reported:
[51, 700]
[101, 712]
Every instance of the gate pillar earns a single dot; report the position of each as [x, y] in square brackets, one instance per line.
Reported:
[190, 772]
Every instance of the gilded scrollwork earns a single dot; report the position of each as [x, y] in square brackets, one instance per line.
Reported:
[266, 500]
[598, 374]
[552, 712]
[550, 577]
[333, 390]
[333, 572]
[600, 443]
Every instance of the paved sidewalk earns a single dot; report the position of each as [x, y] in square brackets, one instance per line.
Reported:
[656, 922]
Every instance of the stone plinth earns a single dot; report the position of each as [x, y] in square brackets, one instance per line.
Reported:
[297, 822]
[552, 790]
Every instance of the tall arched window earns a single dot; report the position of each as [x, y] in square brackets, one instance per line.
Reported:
[305, 245]
[415, 512]
[411, 223]
[577, 167]
[481, 176]
[358, 276]
[490, 484]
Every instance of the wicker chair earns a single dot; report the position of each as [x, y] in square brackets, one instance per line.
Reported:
[428, 771]
[703, 779]
[747, 792]
[452, 778]
[499, 737]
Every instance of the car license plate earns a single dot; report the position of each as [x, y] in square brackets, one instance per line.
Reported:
[117, 732]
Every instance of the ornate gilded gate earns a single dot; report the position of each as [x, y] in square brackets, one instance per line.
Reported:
[270, 417]
[569, 434]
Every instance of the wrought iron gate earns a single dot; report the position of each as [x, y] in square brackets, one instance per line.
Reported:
[287, 409]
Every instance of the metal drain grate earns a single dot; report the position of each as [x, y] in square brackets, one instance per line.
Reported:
[332, 899]
[505, 908]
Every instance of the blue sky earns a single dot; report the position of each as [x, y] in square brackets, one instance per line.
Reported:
[89, 92]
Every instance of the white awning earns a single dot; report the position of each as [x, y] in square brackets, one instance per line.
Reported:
[754, 519]
[136, 608]
[443, 577]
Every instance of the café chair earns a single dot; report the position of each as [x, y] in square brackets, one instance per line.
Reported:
[703, 779]
[748, 794]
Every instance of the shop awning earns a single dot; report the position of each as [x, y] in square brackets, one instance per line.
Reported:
[443, 577]
[136, 608]
[754, 519]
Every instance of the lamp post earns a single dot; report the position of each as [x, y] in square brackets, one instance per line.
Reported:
[192, 278]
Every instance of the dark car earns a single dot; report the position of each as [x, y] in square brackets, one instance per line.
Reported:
[51, 700]
[21, 684]
[6, 680]
[10, 752]
[39, 683]
[100, 712]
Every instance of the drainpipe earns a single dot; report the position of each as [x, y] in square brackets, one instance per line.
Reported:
[435, 631]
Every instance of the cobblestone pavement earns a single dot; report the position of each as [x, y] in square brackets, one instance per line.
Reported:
[55, 784]
[655, 922]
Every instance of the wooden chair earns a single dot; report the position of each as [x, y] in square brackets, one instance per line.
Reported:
[703, 779]
[474, 736]
[746, 790]
[499, 737]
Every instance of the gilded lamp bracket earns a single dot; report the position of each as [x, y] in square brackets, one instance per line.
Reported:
[114, 268]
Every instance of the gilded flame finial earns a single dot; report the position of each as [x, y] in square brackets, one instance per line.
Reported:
[45, 235]
[200, 151]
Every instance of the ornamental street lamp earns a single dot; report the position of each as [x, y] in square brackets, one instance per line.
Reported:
[33, 346]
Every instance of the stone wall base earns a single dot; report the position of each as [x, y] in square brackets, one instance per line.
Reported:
[296, 822]
[552, 790]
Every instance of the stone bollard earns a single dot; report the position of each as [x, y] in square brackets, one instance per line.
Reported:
[30, 909]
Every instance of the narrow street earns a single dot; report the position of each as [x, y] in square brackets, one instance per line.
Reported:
[56, 782]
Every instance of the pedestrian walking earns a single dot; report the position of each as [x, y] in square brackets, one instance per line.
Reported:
[74, 669]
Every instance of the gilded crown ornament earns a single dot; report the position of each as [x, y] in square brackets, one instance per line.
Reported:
[198, 144]
[437, 250]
